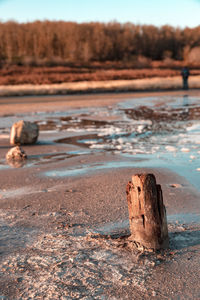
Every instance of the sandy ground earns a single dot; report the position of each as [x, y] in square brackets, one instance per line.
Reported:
[66, 237]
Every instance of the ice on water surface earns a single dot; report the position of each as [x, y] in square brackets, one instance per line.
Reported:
[158, 131]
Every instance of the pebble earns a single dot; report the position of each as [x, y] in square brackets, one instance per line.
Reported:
[70, 191]
[154, 293]
[181, 228]
[175, 185]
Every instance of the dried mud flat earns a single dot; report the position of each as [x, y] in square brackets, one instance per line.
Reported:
[64, 217]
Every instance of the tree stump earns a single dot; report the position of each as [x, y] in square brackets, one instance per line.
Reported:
[147, 213]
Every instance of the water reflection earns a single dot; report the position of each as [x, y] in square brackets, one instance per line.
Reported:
[185, 100]
[16, 163]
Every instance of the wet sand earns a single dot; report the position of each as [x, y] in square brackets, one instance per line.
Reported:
[65, 237]
[27, 104]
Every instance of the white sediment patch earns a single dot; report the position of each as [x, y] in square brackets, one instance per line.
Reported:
[192, 157]
[18, 192]
[185, 150]
[63, 265]
[97, 146]
[195, 127]
[171, 148]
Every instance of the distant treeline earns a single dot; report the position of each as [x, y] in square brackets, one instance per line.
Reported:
[72, 43]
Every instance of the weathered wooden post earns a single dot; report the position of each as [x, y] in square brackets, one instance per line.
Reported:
[147, 213]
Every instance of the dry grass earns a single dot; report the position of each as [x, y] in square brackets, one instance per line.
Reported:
[26, 80]
[17, 75]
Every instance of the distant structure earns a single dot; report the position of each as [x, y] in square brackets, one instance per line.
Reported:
[185, 74]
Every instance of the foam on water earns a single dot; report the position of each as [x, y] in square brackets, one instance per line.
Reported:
[150, 132]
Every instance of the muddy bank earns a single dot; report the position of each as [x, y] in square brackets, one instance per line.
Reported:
[68, 237]
[63, 215]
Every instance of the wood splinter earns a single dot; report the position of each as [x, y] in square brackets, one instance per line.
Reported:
[147, 213]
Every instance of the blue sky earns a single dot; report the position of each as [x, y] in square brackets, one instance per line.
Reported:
[178, 13]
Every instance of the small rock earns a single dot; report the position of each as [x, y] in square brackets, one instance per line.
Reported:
[70, 191]
[27, 206]
[24, 132]
[16, 157]
[181, 228]
[16, 153]
[154, 293]
[175, 185]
